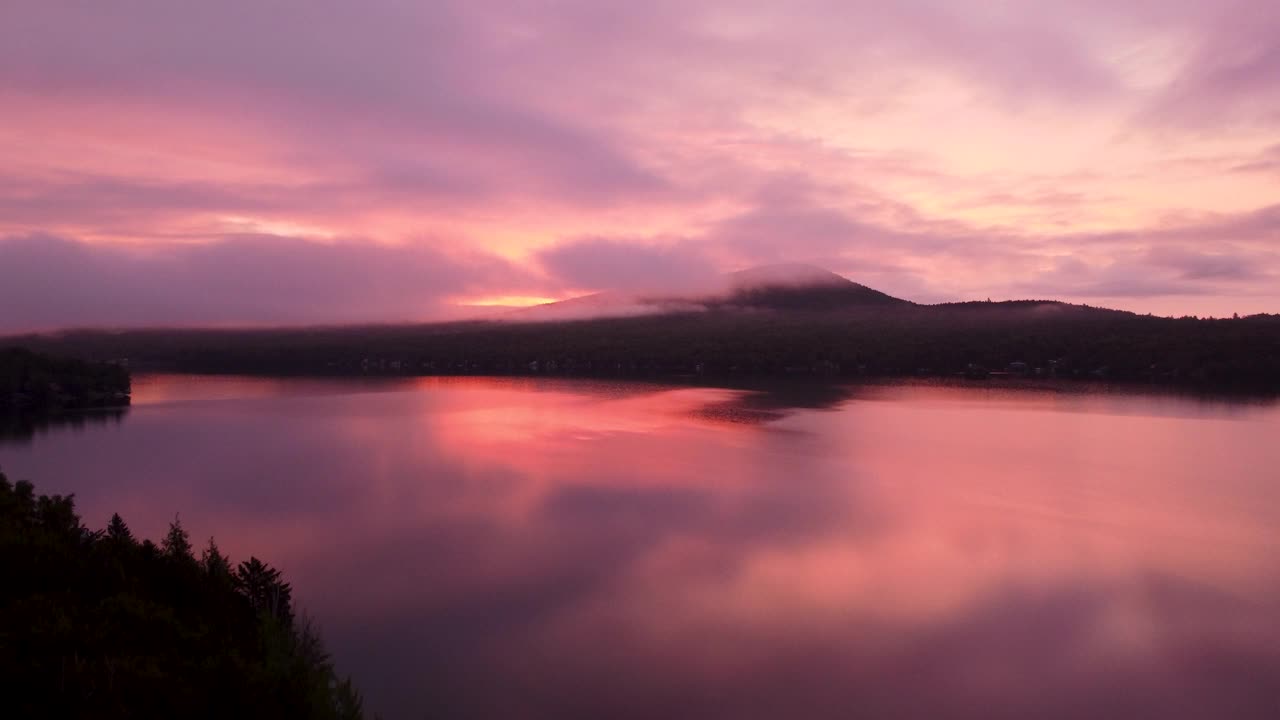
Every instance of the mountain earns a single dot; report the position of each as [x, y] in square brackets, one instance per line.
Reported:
[776, 320]
[605, 304]
[788, 287]
[800, 287]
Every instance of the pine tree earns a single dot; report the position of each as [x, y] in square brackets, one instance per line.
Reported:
[348, 703]
[140, 634]
[118, 531]
[266, 592]
[215, 564]
[177, 543]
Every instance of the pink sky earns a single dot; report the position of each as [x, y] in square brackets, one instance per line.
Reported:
[290, 161]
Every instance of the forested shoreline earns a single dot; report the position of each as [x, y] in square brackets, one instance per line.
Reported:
[1024, 338]
[31, 381]
[95, 623]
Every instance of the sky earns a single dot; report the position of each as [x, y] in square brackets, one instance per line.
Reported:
[262, 162]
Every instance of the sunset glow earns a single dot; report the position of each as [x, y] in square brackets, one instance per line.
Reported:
[511, 301]
[241, 163]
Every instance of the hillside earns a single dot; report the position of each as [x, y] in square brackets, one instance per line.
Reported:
[777, 320]
[770, 287]
[800, 287]
[1038, 338]
[99, 624]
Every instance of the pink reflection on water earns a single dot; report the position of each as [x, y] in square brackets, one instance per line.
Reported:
[611, 549]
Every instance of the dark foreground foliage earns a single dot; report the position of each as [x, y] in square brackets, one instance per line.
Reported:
[95, 624]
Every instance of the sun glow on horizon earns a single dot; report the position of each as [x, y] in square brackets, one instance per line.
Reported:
[928, 150]
[511, 301]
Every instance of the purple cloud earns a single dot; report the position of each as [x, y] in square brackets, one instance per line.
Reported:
[618, 265]
[1230, 79]
[932, 149]
[1267, 161]
[51, 282]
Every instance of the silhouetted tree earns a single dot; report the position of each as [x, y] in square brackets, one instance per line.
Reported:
[118, 531]
[93, 624]
[214, 563]
[177, 543]
[261, 585]
[348, 703]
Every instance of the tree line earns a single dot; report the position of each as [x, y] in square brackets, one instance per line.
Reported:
[31, 381]
[95, 623]
[1037, 337]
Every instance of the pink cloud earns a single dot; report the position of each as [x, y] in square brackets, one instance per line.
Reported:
[51, 282]
[875, 139]
[604, 264]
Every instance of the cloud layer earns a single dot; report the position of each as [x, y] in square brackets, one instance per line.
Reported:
[449, 152]
[48, 281]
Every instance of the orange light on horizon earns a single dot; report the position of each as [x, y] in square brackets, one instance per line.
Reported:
[507, 301]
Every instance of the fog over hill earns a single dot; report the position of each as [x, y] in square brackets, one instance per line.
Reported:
[789, 286]
[784, 275]
[776, 320]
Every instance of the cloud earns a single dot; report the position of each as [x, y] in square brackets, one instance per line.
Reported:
[1161, 271]
[1230, 78]
[50, 282]
[1128, 278]
[1195, 265]
[1230, 257]
[636, 267]
[1267, 161]
[135, 206]
[383, 96]
[1226, 255]
[928, 148]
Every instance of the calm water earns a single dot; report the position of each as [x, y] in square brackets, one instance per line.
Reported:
[577, 549]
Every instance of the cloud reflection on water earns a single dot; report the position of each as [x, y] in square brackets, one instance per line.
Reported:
[541, 548]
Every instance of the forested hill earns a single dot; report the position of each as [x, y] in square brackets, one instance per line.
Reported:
[799, 287]
[787, 287]
[97, 624]
[1038, 338]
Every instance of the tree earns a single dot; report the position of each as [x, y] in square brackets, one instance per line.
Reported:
[214, 563]
[177, 543]
[267, 593]
[348, 703]
[118, 532]
[93, 627]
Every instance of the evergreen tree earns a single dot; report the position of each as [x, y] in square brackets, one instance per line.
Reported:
[89, 630]
[214, 563]
[267, 593]
[177, 543]
[118, 531]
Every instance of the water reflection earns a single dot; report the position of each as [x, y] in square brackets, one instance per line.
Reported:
[22, 428]
[539, 548]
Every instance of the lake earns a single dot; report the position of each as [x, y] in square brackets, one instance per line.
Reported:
[542, 548]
